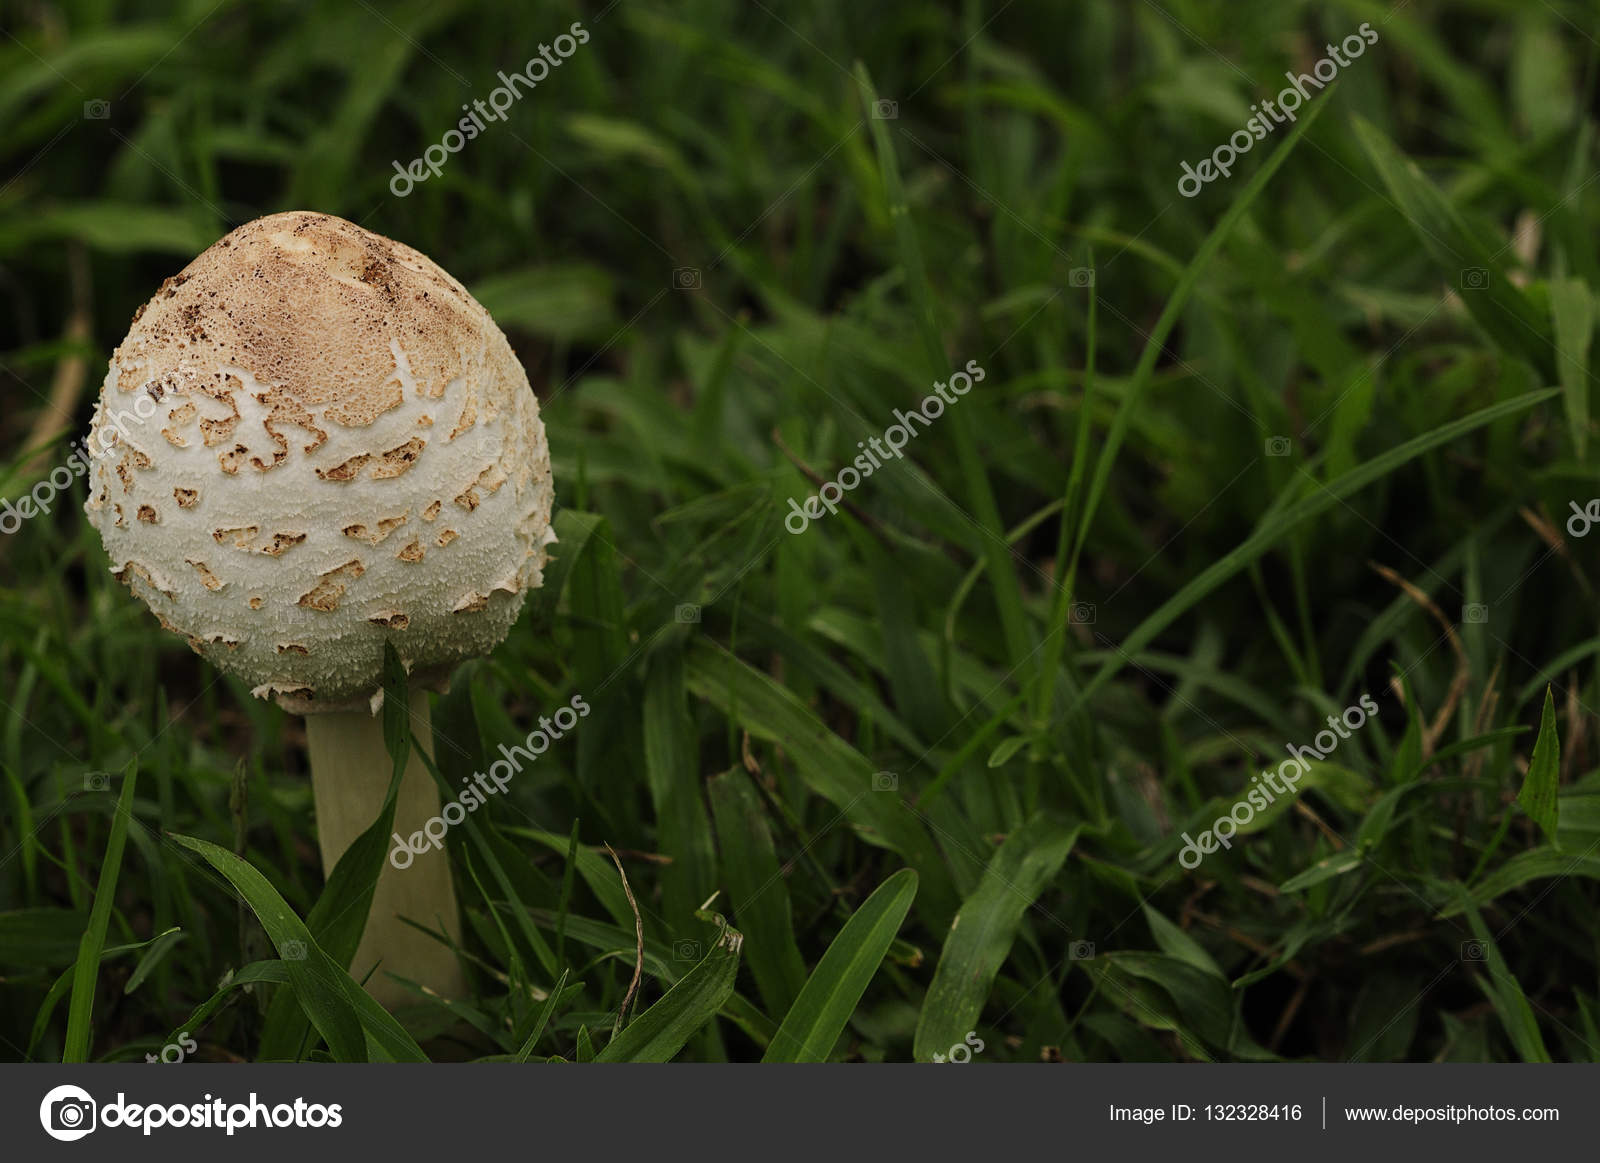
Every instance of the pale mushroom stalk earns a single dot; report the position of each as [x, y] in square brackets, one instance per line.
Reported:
[312, 445]
[350, 773]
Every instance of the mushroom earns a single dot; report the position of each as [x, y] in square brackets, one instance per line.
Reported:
[313, 442]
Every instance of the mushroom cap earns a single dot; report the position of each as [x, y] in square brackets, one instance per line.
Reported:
[312, 441]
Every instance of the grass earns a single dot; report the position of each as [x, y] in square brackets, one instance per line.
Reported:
[920, 779]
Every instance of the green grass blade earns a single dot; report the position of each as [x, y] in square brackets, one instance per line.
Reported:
[1540, 863]
[80, 1009]
[63, 984]
[661, 1031]
[456, 720]
[1504, 991]
[41, 938]
[254, 973]
[1055, 641]
[1271, 530]
[336, 921]
[598, 874]
[599, 620]
[981, 935]
[1500, 308]
[1325, 869]
[1572, 307]
[339, 917]
[339, 1008]
[818, 1016]
[545, 1013]
[757, 890]
[1539, 787]
[830, 766]
[1177, 943]
[991, 540]
[1139, 382]
[682, 827]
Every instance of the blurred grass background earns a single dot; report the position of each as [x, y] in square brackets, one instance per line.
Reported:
[1237, 461]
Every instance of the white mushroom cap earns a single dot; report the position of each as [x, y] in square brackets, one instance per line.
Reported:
[312, 441]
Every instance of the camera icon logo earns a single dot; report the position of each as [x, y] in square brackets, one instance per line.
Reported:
[885, 781]
[885, 110]
[96, 110]
[1278, 446]
[67, 1113]
[1474, 278]
[1082, 613]
[1080, 951]
[1474, 951]
[1475, 613]
[686, 279]
[687, 612]
[687, 950]
[97, 781]
[294, 950]
[1080, 277]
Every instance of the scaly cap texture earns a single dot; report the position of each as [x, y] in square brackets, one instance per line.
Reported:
[312, 441]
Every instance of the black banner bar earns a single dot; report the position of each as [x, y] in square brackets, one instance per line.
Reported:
[325, 1111]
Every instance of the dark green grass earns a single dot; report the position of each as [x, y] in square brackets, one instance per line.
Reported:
[1067, 628]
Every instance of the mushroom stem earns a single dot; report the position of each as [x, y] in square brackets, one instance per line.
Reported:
[350, 772]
